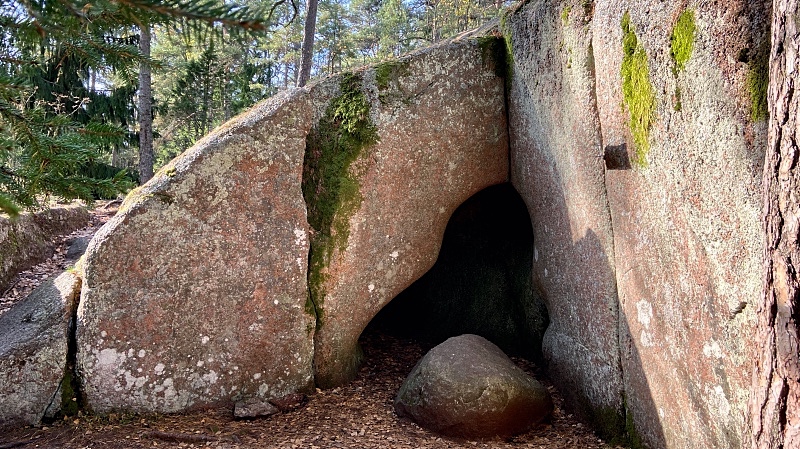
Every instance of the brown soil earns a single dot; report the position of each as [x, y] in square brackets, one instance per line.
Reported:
[359, 415]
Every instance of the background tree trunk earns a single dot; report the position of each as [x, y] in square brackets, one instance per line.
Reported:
[307, 50]
[145, 110]
[775, 397]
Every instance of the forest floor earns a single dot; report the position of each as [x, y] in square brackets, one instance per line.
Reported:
[24, 283]
[358, 415]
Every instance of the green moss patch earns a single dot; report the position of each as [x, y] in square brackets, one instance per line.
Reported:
[494, 54]
[505, 30]
[331, 189]
[758, 82]
[637, 91]
[588, 8]
[614, 425]
[389, 72]
[69, 397]
[632, 438]
[565, 15]
[682, 40]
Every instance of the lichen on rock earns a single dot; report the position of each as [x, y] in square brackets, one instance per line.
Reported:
[388, 72]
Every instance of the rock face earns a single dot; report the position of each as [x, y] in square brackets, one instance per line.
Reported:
[247, 268]
[194, 293]
[558, 169]
[78, 246]
[687, 228]
[34, 337]
[26, 240]
[648, 262]
[440, 121]
[197, 293]
[467, 387]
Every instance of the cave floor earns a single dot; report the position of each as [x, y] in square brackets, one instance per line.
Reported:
[359, 415]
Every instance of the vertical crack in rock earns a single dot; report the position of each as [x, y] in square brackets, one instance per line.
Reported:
[71, 397]
[496, 53]
[331, 185]
[603, 153]
[506, 69]
[68, 400]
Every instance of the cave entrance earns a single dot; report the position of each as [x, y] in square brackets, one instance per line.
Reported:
[481, 283]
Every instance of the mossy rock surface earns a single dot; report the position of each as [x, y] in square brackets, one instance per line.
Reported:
[637, 90]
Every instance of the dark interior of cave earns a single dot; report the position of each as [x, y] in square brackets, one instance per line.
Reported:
[481, 282]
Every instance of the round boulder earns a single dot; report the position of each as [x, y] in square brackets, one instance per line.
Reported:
[467, 387]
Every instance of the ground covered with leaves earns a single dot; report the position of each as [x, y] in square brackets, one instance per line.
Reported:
[24, 283]
[358, 415]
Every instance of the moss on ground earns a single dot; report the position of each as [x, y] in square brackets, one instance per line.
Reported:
[758, 82]
[682, 40]
[565, 15]
[330, 187]
[637, 91]
[69, 397]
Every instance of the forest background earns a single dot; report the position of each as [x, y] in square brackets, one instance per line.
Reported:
[82, 82]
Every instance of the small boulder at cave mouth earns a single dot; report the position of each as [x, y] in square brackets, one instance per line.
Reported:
[467, 387]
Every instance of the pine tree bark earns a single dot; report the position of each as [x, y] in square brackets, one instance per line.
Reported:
[145, 107]
[307, 51]
[775, 396]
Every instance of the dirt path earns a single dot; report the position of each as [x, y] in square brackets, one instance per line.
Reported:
[24, 283]
[359, 415]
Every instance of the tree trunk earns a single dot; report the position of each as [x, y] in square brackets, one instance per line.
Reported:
[775, 396]
[307, 51]
[145, 110]
[115, 156]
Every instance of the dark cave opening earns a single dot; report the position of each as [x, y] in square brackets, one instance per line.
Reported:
[481, 282]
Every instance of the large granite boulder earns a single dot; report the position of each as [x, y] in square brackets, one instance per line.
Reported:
[467, 387]
[557, 167]
[34, 340]
[195, 293]
[439, 115]
[647, 227]
[77, 247]
[275, 240]
[687, 228]
[28, 239]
